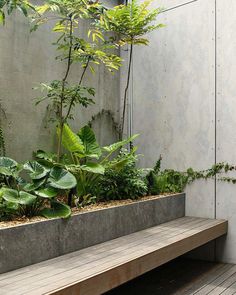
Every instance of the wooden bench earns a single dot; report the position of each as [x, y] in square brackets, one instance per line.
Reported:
[100, 268]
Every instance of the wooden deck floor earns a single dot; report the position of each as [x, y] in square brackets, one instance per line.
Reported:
[100, 268]
[183, 277]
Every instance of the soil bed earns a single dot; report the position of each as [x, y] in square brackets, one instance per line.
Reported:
[93, 207]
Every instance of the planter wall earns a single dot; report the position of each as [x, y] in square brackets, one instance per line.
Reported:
[35, 242]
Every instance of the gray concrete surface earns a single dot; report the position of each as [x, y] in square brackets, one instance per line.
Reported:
[184, 103]
[31, 243]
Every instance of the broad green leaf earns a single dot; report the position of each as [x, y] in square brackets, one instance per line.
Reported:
[7, 162]
[35, 185]
[61, 179]
[71, 141]
[9, 167]
[40, 154]
[26, 198]
[36, 170]
[57, 210]
[5, 171]
[91, 147]
[21, 198]
[115, 146]
[93, 168]
[47, 193]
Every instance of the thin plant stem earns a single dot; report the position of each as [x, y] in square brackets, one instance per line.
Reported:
[61, 119]
[126, 92]
[80, 82]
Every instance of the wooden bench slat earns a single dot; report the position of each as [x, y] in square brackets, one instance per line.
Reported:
[100, 268]
[79, 262]
[127, 241]
[107, 245]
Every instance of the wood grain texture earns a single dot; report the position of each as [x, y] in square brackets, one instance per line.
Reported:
[100, 268]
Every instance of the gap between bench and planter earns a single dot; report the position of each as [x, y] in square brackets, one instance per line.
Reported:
[31, 243]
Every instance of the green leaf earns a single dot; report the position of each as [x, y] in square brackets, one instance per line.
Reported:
[93, 168]
[9, 167]
[36, 170]
[71, 141]
[91, 147]
[61, 179]
[115, 146]
[21, 198]
[5, 171]
[26, 198]
[35, 185]
[57, 210]
[2, 17]
[47, 193]
[7, 162]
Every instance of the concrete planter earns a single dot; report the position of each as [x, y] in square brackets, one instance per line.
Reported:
[35, 242]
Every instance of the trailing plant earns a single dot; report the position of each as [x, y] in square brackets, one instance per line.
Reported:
[105, 113]
[131, 23]
[125, 183]
[35, 194]
[171, 181]
[74, 49]
[86, 159]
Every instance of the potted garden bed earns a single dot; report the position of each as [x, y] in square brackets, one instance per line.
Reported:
[28, 243]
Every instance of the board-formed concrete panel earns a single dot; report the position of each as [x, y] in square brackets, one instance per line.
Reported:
[174, 93]
[226, 120]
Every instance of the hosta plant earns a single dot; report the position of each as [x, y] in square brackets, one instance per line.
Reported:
[35, 194]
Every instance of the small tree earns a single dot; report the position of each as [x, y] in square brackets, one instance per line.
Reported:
[94, 50]
[131, 22]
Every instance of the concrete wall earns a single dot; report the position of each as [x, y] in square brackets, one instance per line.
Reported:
[183, 98]
[27, 59]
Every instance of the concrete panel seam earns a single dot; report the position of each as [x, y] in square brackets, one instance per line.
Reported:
[180, 5]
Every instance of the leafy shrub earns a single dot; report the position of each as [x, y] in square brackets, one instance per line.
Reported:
[125, 183]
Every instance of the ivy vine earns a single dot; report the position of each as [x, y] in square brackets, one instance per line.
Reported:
[172, 181]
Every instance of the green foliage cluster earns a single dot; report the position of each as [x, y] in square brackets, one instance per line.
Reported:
[8, 6]
[172, 181]
[87, 161]
[125, 183]
[35, 194]
[88, 52]
[131, 22]
[79, 174]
